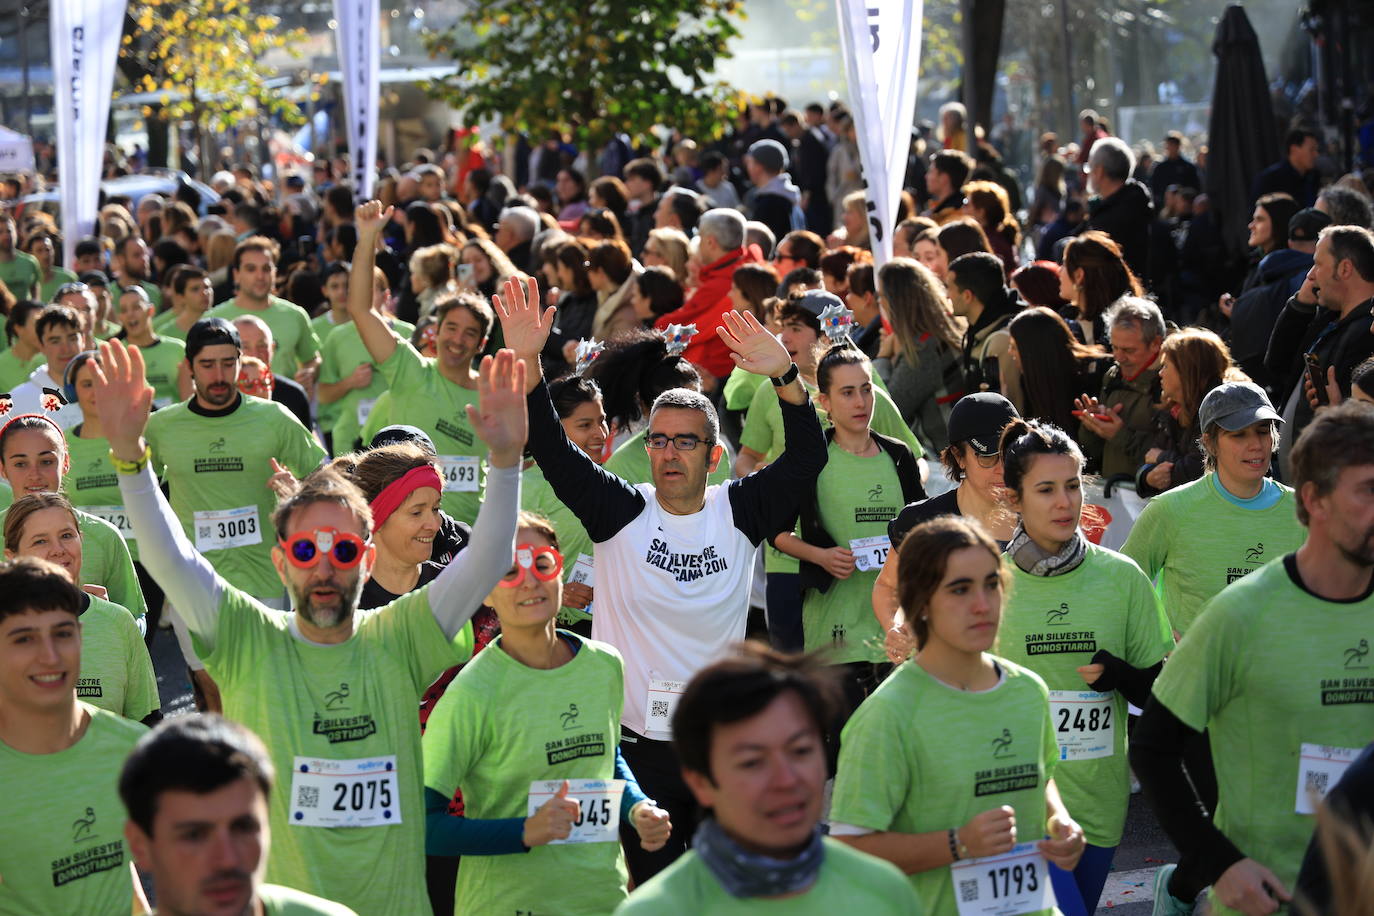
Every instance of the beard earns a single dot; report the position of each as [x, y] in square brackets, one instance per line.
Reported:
[330, 612]
[219, 397]
[1361, 553]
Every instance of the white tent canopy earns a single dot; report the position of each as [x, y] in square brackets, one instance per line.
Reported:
[16, 151]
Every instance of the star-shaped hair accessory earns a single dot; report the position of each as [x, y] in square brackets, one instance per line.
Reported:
[678, 336]
[836, 322]
[587, 353]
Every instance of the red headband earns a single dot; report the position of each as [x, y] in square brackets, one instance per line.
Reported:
[396, 492]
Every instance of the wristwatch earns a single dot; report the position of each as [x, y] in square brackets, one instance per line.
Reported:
[786, 378]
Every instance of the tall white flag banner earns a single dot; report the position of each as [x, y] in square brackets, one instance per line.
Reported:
[359, 39]
[85, 44]
[881, 43]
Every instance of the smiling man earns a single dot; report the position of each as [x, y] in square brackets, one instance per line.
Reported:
[254, 269]
[196, 790]
[60, 334]
[64, 852]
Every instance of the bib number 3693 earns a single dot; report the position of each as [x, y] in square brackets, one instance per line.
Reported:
[598, 804]
[460, 473]
[1084, 723]
[344, 793]
[1013, 883]
[221, 529]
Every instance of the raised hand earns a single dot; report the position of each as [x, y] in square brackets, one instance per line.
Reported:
[369, 218]
[500, 418]
[523, 325]
[752, 346]
[123, 397]
[282, 482]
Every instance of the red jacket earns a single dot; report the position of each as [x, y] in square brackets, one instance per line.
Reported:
[708, 302]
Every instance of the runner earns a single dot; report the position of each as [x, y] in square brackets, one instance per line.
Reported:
[23, 355]
[34, 459]
[193, 296]
[63, 852]
[258, 343]
[1199, 538]
[216, 452]
[254, 269]
[331, 690]
[1276, 670]
[675, 557]
[60, 335]
[750, 733]
[116, 671]
[577, 401]
[952, 757]
[453, 535]
[196, 791]
[92, 487]
[162, 356]
[1087, 621]
[432, 395]
[542, 771]
[843, 526]
[974, 462]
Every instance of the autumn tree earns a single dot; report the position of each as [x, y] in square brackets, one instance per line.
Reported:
[592, 68]
[204, 59]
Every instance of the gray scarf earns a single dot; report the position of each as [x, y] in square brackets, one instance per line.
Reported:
[1031, 558]
[748, 874]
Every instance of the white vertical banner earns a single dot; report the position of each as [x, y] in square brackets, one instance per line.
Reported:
[359, 40]
[85, 44]
[882, 37]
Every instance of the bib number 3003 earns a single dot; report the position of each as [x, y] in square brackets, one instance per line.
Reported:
[344, 793]
[221, 529]
[1011, 884]
[598, 804]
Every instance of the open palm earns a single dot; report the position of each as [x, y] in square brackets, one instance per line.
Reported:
[753, 347]
[500, 416]
[123, 397]
[524, 325]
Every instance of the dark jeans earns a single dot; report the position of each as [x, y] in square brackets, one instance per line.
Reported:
[659, 774]
[785, 612]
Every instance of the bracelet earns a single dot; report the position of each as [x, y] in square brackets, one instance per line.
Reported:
[787, 378]
[132, 467]
[954, 844]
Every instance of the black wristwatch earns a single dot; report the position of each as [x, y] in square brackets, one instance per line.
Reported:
[786, 378]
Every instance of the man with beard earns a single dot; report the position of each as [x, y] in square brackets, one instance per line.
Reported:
[331, 690]
[217, 451]
[254, 269]
[196, 790]
[1276, 669]
[132, 265]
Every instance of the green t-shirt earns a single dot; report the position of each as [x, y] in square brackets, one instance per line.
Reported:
[344, 351]
[14, 373]
[1196, 542]
[740, 387]
[573, 541]
[763, 432]
[1266, 668]
[919, 756]
[152, 289]
[48, 288]
[559, 723]
[162, 362]
[630, 462]
[378, 419]
[217, 468]
[1054, 624]
[849, 882]
[64, 849]
[295, 339]
[92, 486]
[425, 399]
[322, 325]
[165, 325]
[856, 498]
[354, 701]
[116, 671]
[22, 274]
[283, 901]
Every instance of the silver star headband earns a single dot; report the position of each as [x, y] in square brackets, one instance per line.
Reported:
[678, 336]
[587, 353]
[836, 322]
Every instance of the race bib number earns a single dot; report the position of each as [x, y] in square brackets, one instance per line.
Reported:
[221, 529]
[598, 803]
[1013, 883]
[459, 473]
[115, 515]
[1084, 724]
[1320, 766]
[658, 707]
[365, 406]
[870, 553]
[584, 572]
[345, 793]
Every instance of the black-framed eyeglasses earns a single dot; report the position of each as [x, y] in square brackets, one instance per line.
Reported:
[683, 443]
[986, 461]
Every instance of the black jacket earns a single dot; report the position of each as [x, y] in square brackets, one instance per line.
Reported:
[1302, 328]
[812, 532]
[1126, 216]
[1173, 171]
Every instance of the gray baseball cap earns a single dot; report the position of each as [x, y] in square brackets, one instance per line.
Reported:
[1236, 405]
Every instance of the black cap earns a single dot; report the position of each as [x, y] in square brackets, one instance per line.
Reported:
[94, 278]
[207, 333]
[1306, 225]
[391, 435]
[979, 419]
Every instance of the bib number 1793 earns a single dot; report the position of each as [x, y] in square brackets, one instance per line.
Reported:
[1011, 884]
